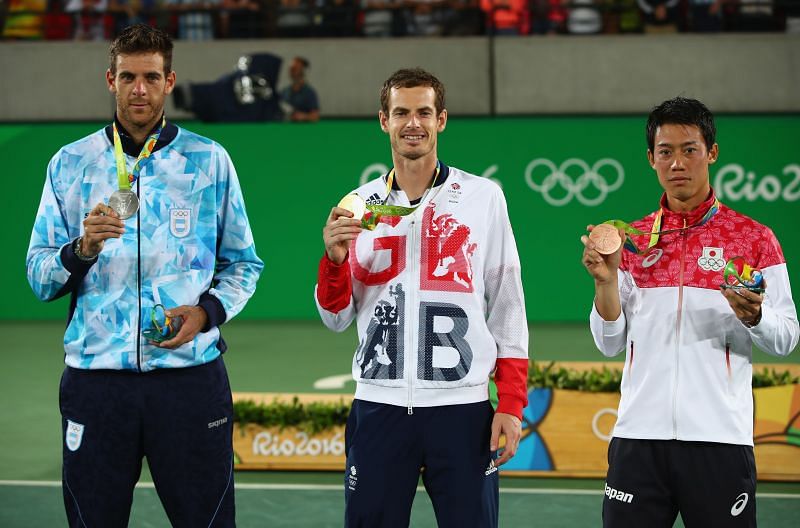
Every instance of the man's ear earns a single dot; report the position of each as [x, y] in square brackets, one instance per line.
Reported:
[111, 81]
[383, 119]
[713, 153]
[442, 120]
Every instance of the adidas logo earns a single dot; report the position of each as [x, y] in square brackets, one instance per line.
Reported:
[374, 199]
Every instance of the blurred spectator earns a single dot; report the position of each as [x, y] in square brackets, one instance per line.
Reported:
[661, 16]
[195, 21]
[752, 15]
[705, 16]
[548, 17]
[378, 18]
[426, 18]
[506, 17]
[241, 19]
[88, 18]
[584, 18]
[299, 98]
[337, 18]
[129, 12]
[464, 17]
[792, 11]
[294, 18]
[629, 17]
[24, 19]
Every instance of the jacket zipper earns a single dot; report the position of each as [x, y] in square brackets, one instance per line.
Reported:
[630, 363]
[412, 301]
[728, 360]
[678, 333]
[139, 276]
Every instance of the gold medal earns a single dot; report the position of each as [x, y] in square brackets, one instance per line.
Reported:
[355, 204]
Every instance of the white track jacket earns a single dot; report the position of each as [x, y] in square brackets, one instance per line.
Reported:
[437, 297]
[688, 371]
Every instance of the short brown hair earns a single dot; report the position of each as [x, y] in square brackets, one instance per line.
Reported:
[141, 38]
[411, 78]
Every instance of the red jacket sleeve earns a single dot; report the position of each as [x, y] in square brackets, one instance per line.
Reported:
[334, 288]
[511, 378]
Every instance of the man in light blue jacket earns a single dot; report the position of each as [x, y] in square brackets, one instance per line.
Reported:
[143, 224]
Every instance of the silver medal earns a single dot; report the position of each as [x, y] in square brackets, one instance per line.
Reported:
[124, 202]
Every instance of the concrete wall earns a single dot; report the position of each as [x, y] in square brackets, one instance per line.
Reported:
[52, 81]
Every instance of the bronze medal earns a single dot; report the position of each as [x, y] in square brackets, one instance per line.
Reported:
[606, 239]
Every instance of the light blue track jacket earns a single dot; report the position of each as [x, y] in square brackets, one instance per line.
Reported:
[189, 244]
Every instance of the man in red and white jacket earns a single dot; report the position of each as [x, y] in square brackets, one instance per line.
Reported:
[437, 297]
[683, 441]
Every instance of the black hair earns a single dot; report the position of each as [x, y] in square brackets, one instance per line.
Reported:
[681, 111]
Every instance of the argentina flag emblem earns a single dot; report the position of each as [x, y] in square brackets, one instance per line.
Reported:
[74, 435]
[180, 222]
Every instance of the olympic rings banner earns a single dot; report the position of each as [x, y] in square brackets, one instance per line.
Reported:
[558, 173]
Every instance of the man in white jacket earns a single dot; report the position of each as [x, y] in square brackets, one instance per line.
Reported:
[434, 286]
[683, 441]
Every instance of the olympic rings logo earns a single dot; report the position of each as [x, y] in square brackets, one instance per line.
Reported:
[558, 178]
[711, 264]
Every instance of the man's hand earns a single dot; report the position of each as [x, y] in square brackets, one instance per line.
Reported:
[340, 229]
[101, 224]
[745, 304]
[194, 320]
[509, 426]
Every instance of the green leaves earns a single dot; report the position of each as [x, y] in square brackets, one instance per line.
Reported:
[315, 417]
[771, 378]
[312, 417]
[548, 376]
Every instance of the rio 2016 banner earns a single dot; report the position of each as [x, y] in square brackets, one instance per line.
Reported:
[558, 173]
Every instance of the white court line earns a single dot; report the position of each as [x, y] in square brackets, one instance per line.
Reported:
[339, 487]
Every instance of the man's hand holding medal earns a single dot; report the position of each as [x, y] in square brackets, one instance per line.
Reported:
[343, 226]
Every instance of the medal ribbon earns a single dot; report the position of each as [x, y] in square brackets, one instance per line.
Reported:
[655, 231]
[126, 180]
[377, 211]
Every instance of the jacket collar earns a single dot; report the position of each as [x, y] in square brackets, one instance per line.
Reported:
[444, 171]
[679, 219]
[130, 147]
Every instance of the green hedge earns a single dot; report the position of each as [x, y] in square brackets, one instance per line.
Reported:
[315, 417]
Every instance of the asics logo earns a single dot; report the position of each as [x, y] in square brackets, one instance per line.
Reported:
[590, 186]
[652, 258]
[738, 506]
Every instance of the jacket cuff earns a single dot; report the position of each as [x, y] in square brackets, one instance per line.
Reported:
[511, 405]
[214, 309]
[511, 378]
[334, 288]
[75, 266]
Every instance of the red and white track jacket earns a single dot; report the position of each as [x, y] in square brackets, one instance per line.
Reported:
[437, 297]
[688, 371]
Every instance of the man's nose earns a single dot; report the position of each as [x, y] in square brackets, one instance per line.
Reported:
[677, 163]
[139, 87]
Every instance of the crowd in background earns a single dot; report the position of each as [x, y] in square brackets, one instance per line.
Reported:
[210, 19]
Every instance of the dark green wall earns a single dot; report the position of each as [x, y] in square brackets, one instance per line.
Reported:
[292, 174]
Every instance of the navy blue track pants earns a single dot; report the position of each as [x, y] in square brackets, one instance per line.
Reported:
[387, 448]
[180, 419]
